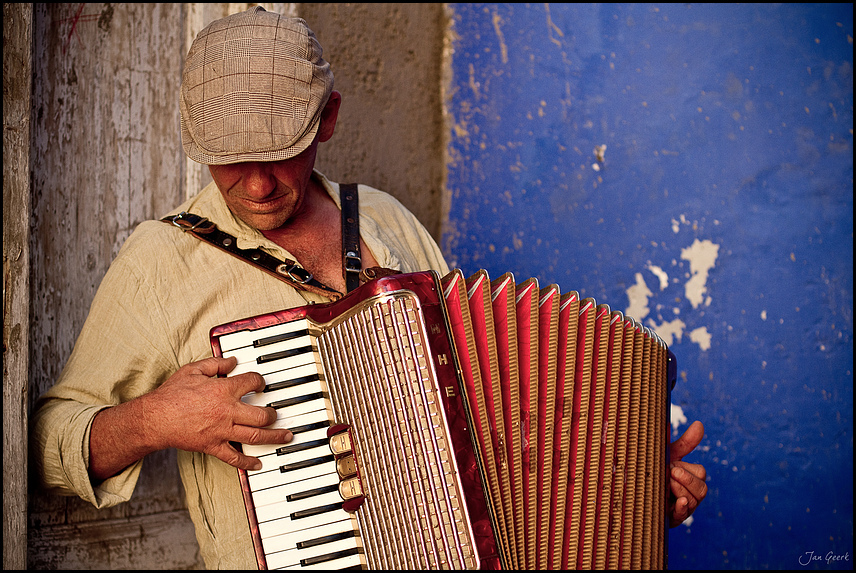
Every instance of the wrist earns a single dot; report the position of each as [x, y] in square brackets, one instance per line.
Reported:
[120, 436]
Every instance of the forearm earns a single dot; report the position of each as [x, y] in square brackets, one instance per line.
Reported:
[120, 436]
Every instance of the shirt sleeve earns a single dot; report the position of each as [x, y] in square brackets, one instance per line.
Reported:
[115, 359]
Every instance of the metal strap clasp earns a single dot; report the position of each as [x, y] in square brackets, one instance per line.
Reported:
[189, 222]
[294, 272]
[353, 262]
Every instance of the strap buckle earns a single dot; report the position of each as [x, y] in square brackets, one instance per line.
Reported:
[353, 262]
[190, 222]
[289, 270]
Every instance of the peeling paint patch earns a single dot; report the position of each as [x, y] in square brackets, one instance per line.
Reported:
[701, 337]
[638, 295]
[551, 27]
[497, 20]
[702, 257]
[669, 330]
[661, 274]
[474, 85]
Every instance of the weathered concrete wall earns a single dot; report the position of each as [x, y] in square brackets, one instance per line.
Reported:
[387, 62]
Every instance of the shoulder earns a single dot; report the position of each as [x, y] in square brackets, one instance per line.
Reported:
[156, 238]
[146, 255]
[407, 242]
[384, 207]
[150, 238]
[371, 199]
[380, 211]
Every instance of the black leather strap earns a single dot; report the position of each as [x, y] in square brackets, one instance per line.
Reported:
[352, 263]
[288, 270]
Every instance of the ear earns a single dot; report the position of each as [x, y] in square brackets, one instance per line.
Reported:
[329, 116]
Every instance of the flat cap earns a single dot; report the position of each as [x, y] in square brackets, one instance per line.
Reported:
[253, 89]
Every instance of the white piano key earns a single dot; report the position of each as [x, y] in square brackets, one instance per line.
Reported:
[295, 373]
[270, 502]
[289, 423]
[358, 560]
[303, 371]
[285, 417]
[308, 418]
[288, 508]
[316, 405]
[292, 558]
[267, 398]
[277, 478]
[251, 354]
[294, 361]
[263, 450]
[243, 338]
[289, 540]
[342, 563]
[275, 456]
[285, 525]
[272, 476]
[280, 492]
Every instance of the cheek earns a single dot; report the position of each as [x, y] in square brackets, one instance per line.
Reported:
[296, 169]
[225, 176]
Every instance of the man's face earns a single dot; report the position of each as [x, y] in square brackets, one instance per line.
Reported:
[266, 194]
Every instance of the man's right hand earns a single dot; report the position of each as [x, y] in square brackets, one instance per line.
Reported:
[193, 410]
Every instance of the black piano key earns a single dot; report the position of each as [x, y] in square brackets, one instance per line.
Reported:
[291, 382]
[285, 450]
[329, 557]
[264, 358]
[312, 492]
[312, 426]
[296, 400]
[316, 510]
[306, 463]
[326, 539]
[279, 338]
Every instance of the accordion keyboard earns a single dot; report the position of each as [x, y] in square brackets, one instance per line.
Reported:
[296, 492]
[370, 370]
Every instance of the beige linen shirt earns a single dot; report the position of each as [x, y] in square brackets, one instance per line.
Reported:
[152, 314]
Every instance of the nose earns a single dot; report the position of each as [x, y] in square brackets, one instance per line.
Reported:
[258, 179]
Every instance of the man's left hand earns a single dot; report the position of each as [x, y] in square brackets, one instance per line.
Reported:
[687, 481]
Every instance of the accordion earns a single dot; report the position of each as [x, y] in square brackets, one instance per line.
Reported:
[444, 422]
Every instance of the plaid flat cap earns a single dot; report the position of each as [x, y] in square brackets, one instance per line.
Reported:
[253, 89]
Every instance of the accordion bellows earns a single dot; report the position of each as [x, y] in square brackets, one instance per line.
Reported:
[458, 423]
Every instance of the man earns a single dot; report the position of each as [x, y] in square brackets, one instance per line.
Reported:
[256, 101]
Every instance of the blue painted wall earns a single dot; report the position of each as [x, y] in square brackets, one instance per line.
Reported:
[720, 212]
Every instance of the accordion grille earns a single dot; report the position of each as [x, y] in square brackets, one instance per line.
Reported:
[414, 517]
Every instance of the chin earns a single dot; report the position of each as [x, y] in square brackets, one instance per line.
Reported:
[264, 222]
